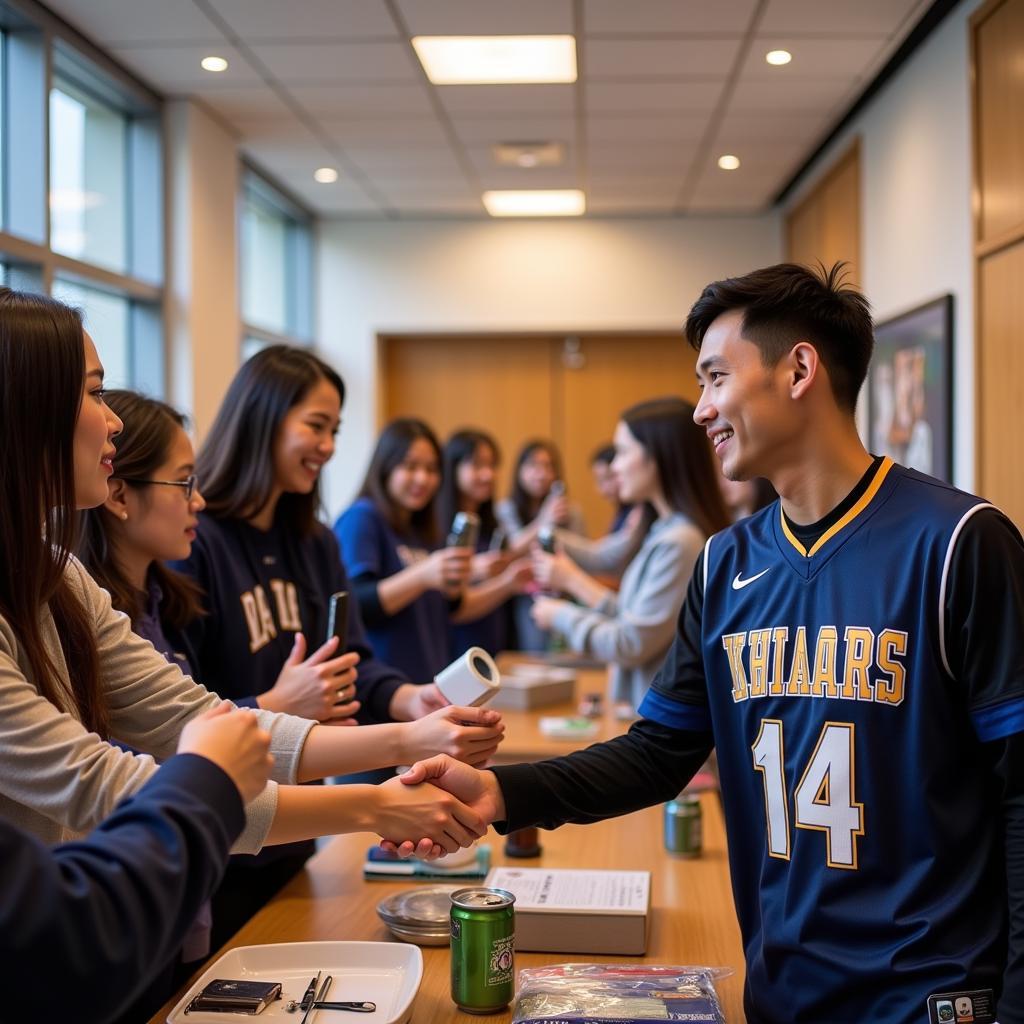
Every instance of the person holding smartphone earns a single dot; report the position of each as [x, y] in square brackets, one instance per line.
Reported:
[409, 586]
[471, 461]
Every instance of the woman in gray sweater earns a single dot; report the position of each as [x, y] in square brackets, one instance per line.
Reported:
[72, 673]
[662, 463]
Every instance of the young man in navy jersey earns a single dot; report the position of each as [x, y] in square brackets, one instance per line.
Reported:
[853, 653]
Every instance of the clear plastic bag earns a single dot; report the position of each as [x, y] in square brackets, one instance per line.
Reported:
[618, 994]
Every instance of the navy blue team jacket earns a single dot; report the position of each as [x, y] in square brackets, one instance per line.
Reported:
[865, 838]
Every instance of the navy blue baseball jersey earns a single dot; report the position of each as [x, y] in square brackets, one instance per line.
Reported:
[865, 839]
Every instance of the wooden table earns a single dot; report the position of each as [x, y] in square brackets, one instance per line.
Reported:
[692, 922]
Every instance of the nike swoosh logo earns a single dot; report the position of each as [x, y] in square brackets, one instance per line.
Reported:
[739, 584]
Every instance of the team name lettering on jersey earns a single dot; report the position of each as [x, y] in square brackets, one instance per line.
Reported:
[857, 664]
[260, 619]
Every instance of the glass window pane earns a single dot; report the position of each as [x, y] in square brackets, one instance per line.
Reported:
[250, 346]
[264, 266]
[107, 321]
[88, 163]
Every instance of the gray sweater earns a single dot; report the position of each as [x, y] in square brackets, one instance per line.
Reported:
[634, 628]
[58, 781]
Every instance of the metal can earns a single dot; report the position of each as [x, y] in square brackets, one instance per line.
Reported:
[483, 934]
[684, 826]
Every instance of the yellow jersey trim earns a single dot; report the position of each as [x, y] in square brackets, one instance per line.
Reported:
[862, 503]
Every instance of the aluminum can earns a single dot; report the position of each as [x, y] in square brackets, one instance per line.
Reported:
[483, 934]
[546, 539]
[684, 831]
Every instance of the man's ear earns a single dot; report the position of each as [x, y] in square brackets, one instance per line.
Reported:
[804, 367]
[117, 503]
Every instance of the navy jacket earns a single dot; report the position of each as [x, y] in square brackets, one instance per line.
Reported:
[85, 926]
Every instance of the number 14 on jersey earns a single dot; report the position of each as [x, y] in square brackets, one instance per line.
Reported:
[824, 799]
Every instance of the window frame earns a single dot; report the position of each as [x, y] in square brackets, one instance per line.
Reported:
[300, 256]
[39, 48]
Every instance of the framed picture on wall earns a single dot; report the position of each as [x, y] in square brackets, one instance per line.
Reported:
[910, 389]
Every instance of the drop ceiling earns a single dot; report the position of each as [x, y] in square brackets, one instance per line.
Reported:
[665, 87]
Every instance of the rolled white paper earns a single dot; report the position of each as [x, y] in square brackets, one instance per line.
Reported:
[470, 681]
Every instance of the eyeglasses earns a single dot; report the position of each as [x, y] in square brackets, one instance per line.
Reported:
[189, 483]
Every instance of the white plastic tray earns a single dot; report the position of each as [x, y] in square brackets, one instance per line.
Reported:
[386, 973]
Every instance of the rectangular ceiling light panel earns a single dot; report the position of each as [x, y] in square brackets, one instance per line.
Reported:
[497, 60]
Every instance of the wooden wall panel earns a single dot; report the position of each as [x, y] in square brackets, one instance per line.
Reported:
[825, 225]
[1001, 380]
[999, 98]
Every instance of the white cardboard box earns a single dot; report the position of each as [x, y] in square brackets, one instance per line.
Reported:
[565, 911]
[523, 692]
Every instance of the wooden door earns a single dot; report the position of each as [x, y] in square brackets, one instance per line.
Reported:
[517, 387]
[613, 374]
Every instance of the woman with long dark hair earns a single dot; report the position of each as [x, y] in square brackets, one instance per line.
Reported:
[267, 567]
[409, 585]
[662, 462]
[471, 459]
[73, 674]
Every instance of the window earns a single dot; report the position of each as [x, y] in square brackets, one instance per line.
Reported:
[275, 258]
[82, 191]
[88, 167]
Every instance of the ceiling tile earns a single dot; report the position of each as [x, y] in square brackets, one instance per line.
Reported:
[271, 20]
[796, 127]
[492, 177]
[376, 158]
[515, 128]
[394, 133]
[115, 22]
[658, 58]
[628, 206]
[361, 101]
[813, 58]
[175, 68]
[513, 99]
[341, 197]
[629, 164]
[812, 17]
[405, 167]
[324, 63]
[756, 94]
[616, 17]
[613, 97]
[666, 129]
[476, 18]
[295, 157]
[254, 102]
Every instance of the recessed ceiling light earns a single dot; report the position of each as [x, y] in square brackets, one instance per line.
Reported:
[490, 60]
[326, 175]
[778, 57]
[551, 202]
[213, 64]
[728, 162]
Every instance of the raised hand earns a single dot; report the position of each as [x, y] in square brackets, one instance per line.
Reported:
[231, 738]
[315, 687]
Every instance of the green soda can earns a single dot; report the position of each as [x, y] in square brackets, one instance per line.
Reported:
[483, 935]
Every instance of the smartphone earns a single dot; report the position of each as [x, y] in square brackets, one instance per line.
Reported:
[337, 619]
[337, 625]
[557, 489]
[546, 539]
[465, 530]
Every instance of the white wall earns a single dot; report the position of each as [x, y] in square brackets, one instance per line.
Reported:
[560, 275]
[916, 237]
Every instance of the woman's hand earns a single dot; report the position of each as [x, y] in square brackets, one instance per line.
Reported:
[411, 701]
[477, 790]
[544, 611]
[518, 576]
[488, 564]
[315, 687]
[231, 738]
[554, 511]
[423, 818]
[446, 570]
[467, 734]
[552, 572]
